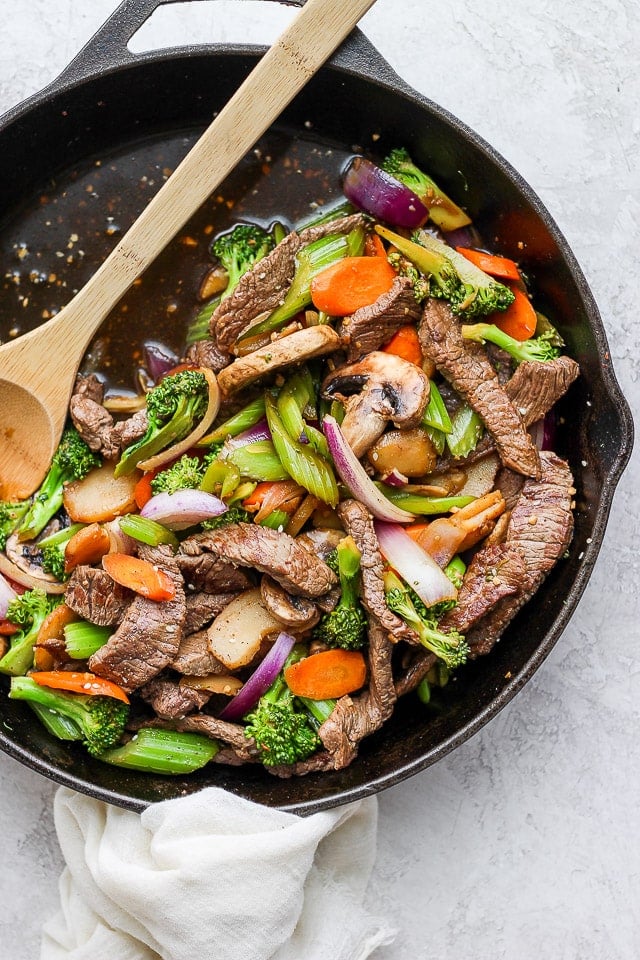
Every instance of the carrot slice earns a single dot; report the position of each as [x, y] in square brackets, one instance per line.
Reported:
[405, 344]
[254, 500]
[374, 247]
[519, 319]
[492, 264]
[7, 629]
[86, 546]
[76, 682]
[327, 675]
[140, 576]
[143, 492]
[350, 284]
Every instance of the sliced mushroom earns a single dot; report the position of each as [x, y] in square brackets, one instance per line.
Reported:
[19, 562]
[387, 388]
[298, 346]
[297, 613]
[411, 452]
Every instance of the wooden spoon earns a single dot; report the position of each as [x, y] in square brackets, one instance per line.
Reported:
[38, 370]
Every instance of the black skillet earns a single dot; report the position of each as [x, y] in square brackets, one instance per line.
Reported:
[78, 161]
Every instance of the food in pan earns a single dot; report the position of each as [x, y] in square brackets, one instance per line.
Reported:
[343, 491]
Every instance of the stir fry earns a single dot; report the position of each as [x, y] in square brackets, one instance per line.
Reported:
[342, 492]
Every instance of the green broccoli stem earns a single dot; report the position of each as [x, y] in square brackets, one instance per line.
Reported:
[320, 710]
[166, 752]
[348, 570]
[53, 550]
[157, 438]
[423, 691]
[198, 329]
[238, 423]
[58, 726]
[82, 639]
[540, 348]
[450, 647]
[147, 531]
[46, 502]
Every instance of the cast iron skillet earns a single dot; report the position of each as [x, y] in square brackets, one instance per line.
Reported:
[109, 104]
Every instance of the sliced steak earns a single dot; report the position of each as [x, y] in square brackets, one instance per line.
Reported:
[148, 638]
[194, 658]
[89, 386]
[359, 524]
[264, 287]
[94, 423]
[203, 607]
[494, 572]
[210, 574]
[94, 596]
[317, 763]
[130, 430]
[468, 369]
[296, 569]
[415, 673]
[535, 387]
[354, 719]
[170, 700]
[206, 353]
[541, 527]
[510, 485]
[370, 327]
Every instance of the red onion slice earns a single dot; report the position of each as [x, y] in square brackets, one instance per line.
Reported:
[395, 479]
[354, 476]
[376, 192]
[259, 431]
[260, 680]
[7, 594]
[415, 566]
[183, 509]
[158, 359]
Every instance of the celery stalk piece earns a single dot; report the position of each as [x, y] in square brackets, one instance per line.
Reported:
[238, 423]
[258, 461]
[82, 639]
[147, 531]
[423, 506]
[305, 466]
[436, 414]
[466, 430]
[163, 751]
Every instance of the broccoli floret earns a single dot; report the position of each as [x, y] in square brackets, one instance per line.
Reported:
[101, 720]
[53, 548]
[449, 647]
[281, 733]
[468, 290]
[539, 348]
[405, 268]
[185, 474]
[346, 626]
[235, 514]
[72, 461]
[442, 210]
[10, 516]
[27, 612]
[173, 408]
[239, 250]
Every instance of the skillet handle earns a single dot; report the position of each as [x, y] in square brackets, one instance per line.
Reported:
[108, 48]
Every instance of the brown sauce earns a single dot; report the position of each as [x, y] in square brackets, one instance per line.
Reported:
[56, 241]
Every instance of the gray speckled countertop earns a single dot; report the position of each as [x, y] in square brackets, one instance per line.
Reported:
[524, 843]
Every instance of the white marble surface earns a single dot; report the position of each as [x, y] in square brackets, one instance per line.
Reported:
[525, 842]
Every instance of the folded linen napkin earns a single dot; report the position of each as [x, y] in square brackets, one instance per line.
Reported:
[215, 877]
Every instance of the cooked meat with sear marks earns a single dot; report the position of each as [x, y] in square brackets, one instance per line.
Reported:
[535, 386]
[466, 366]
[203, 607]
[148, 638]
[414, 674]
[210, 574]
[541, 527]
[265, 286]
[370, 327]
[171, 700]
[296, 569]
[94, 596]
[94, 423]
[510, 485]
[354, 719]
[359, 524]
[131, 430]
[89, 386]
[206, 353]
[194, 659]
[317, 763]
[494, 572]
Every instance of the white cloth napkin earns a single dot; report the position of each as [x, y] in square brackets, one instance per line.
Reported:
[213, 877]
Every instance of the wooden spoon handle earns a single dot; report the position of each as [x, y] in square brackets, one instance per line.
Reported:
[301, 49]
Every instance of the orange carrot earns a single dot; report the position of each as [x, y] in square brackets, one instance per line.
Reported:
[495, 266]
[351, 283]
[327, 675]
[440, 538]
[86, 546]
[76, 682]
[143, 491]
[7, 629]
[140, 576]
[374, 247]
[405, 344]
[518, 320]
[254, 500]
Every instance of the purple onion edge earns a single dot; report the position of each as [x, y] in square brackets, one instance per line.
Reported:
[260, 680]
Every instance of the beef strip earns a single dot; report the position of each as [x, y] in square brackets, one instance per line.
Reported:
[359, 524]
[296, 569]
[318, 762]
[148, 638]
[370, 327]
[535, 387]
[130, 430]
[194, 658]
[494, 572]
[265, 286]
[541, 527]
[89, 386]
[354, 719]
[466, 366]
[94, 423]
[170, 700]
[94, 596]
[206, 353]
[415, 673]
[210, 574]
[203, 607]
